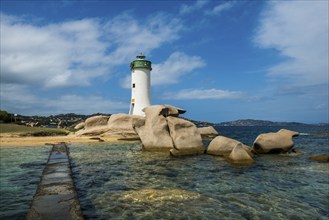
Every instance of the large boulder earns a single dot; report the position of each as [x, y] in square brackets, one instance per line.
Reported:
[208, 132]
[124, 124]
[154, 134]
[186, 137]
[223, 146]
[99, 120]
[275, 142]
[240, 155]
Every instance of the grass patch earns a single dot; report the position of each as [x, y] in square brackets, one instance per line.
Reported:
[23, 130]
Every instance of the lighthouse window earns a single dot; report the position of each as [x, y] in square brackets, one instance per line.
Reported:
[133, 85]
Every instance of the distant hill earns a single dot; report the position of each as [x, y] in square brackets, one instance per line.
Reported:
[71, 119]
[252, 122]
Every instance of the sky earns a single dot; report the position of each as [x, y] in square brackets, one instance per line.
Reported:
[218, 60]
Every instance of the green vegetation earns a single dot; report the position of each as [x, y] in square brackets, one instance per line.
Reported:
[5, 116]
[31, 131]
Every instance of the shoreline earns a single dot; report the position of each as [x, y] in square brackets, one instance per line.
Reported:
[8, 140]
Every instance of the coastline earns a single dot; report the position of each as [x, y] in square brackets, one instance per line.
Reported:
[11, 140]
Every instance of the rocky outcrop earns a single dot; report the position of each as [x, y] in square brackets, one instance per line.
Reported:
[186, 137]
[123, 124]
[223, 146]
[279, 142]
[79, 126]
[208, 132]
[240, 155]
[93, 131]
[94, 121]
[154, 134]
[323, 158]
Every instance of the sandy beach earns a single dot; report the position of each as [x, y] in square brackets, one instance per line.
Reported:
[12, 140]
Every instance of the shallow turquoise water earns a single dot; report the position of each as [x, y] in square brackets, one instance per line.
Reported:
[21, 169]
[112, 181]
[119, 181]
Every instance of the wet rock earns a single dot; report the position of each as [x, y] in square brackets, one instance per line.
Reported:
[324, 158]
[223, 146]
[208, 132]
[240, 155]
[278, 142]
[186, 137]
[154, 134]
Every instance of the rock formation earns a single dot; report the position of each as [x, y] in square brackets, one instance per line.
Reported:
[186, 137]
[223, 146]
[208, 132]
[278, 142]
[154, 134]
[123, 124]
[240, 155]
[94, 121]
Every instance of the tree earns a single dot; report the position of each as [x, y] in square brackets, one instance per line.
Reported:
[5, 116]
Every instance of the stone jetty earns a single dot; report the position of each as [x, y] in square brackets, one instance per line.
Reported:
[56, 197]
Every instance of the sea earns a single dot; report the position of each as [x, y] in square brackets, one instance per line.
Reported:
[120, 181]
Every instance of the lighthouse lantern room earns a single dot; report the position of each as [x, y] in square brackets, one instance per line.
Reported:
[140, 85]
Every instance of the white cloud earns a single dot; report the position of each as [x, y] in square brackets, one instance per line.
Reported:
[53, 55]
[135, 37]
[299, 31]
[204, 94]
[218, 9]
[170, 71]
[74, 52]
[174, 68]
[186, 9]
[21, 99]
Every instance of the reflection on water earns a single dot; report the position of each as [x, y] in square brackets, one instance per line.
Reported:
[119, 181]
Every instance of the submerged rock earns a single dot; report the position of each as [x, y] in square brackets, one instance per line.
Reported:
[186, 137]
[240, 155]
[222, 146]
[160, 195]
[320, 158]
[278, 142]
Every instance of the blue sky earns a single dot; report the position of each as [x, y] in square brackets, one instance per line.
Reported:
[219, 60]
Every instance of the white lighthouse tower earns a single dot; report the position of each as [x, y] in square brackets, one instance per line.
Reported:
[140, 85]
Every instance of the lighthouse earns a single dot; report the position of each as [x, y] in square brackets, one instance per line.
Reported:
[140, 85]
